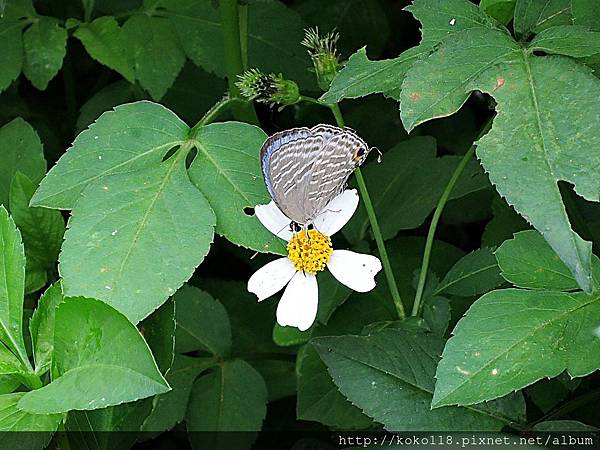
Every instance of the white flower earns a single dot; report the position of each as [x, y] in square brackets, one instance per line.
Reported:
[308, 255]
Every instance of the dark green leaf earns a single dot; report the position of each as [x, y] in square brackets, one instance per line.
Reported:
[21, 151]
[390, 376]
[202, 323]
[231, 398]
[11, 52]
[554, 426]
[169, 409]
[104, 100]
[42, 229]
[112, 428]
[319, 398]
[409, 194]
[535, 16]
[501, 10]
[157, 53]
[158, 330]
[474, 274]
[569, 40]
[45, 46]
[100, 359]
[279, 375]
[106, 42]
[492, 345]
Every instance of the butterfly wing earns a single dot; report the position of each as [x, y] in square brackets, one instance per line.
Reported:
[287, 159]
[340, 155]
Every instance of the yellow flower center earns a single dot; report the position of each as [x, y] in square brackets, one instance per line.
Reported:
[310, 252]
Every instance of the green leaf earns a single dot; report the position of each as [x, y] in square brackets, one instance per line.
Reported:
[529, 262]
[202, 323]
[110, 250]
[42, 229]
[472, 275]
[21, 151]
[553, 426]
[503, 225]
[12, 277]
[437, 86]
[535, 143]
[501, 10]
[585, 13]
[361, 76]
[169, 409]
[41, 327]
[279, 375]
[157, 53]
[439, 19]
[190, 102]
[569, 40]
[158, 330]
[105, 99]
[409, 194]
[100, 359]
[436, 17]
[535, 16]
[227, 171]
[112, 428]
[231, 398]
[105, 41]
[437, 314]
[198, 25]
[492, 345]
[9, 363]
[332, 294]
[11, 52]
[45, 46]
[131, 137]
[12, 418]
[319, 398]
[390, 376]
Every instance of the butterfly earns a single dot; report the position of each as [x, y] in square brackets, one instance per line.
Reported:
[305, 168]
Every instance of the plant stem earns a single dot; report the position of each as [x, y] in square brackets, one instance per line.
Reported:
[233, 57]
[213, 113]
[362, 187]
[416, 309]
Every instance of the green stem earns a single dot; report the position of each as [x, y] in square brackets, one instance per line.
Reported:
[88, 8]
[362, 187]
[213, 113]
[416, 309]
[233, 58]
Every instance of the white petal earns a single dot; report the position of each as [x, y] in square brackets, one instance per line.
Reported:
[271, 278]
[274, 220]
[355, 270]
[337, 213]
[299, 303]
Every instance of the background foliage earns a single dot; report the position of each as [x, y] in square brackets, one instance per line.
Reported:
[123, 302]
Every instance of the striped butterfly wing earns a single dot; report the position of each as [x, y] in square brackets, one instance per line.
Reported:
[287, 160]
[340, 155]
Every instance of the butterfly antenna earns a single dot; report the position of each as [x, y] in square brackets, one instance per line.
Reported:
[379, 154]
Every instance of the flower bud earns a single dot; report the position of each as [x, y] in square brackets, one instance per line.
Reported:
[270, 89]
[323, 52]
